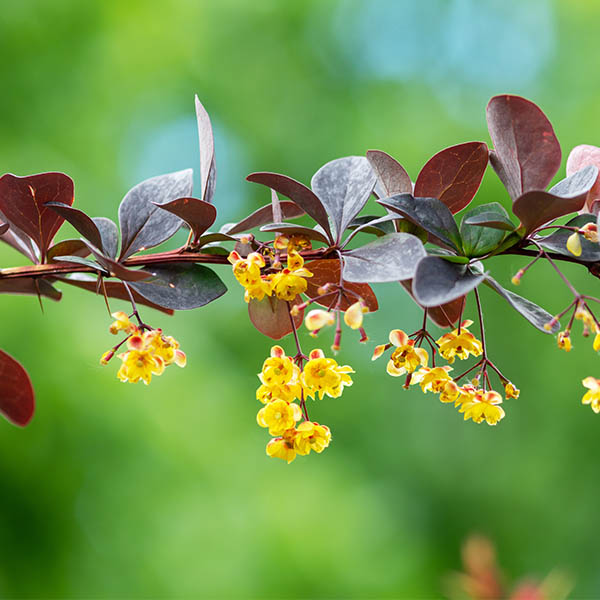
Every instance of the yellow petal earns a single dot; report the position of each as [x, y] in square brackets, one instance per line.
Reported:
[574, 244]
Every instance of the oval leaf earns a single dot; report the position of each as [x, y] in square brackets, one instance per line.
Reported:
[116, 269]
[68, 248]
[272, 318]
[328, 271]
[429, 213]
[453, 175]
[438, 281]
[557, 242]
[109, 233]
[392, 179]
[264, 216]
[537, 316]
[17, 401]
[143, 224]
[181, 286]
[29, 286]
[389, 258]
[82, 223]
[478, 240]
[23, 199]
[526, 153]
[446, 315]
[580, 157]
[198, 214]
[304, 197]
[344, 185]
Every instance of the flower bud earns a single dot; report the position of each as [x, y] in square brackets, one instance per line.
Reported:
[574, 244]
[516, 280]
[353, 317]
[318, 318]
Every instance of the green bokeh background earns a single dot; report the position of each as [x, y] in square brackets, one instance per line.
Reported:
[165, 491]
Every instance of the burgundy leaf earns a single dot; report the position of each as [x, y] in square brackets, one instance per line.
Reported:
[20, 241]
[29, 286]
[68, 248]
[23, 199]
[264, 216]
[4, 228]
[580, 157]
[391, 177]
[304, 197]
[207, 153]
[198, 214]
[453, 175]
[84, 224]
[271, 316]
[526, 153]
[17, 401]
[115, 289]
[328, 271]
[115, 268]
[446, 315]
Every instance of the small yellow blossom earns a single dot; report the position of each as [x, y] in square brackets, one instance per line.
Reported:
[450, 392]
[466, 394]
[296, 242]
[597, 342]
[592, 396]
[139, 362]
[353, 317]
[287, 391]
[122, 323]
[484, 407]
[405, 358]
[324, 376]
[247, 272]
[165, 346]
[432, 380]
[318, 318]
[510, 391]
[584, 315]
[564, 341]
[574, 244]
[290, 282]
[283, 447]
[278, 416]
[278, 369]
[459, 344]
[311, 436]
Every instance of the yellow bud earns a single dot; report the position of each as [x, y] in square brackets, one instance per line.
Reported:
[318, 318]
[379, 350]
[574, 244]
[353, 317]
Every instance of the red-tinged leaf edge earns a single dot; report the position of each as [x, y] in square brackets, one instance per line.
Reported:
[328, 271]
[271, 316]
[453, 175]
[17, 400]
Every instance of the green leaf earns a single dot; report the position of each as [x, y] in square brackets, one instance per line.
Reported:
[181, 286]
[479, 240]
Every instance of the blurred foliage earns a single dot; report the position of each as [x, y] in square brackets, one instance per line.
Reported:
[165, 491]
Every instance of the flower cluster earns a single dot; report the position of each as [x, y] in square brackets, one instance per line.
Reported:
[472, 401]
[282, 383]
[148, 351]
[285, 283]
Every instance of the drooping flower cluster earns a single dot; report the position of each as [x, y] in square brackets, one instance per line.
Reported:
[472, 401]
[286, 283]
[148, 352]
[282, 383]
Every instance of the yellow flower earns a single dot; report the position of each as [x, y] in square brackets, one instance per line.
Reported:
[287, 391]
[592, 396]
[510, 391]
[484, 407]
[459, 344]
[450, 392]
[139, 362]
[590, 232]
[279, 369]
[324, 376]
[290, 282]
[582, 314]
[283, 447]
[292, 243]
[564, 341]
[318, 318]
[432, 380]
[466, 394]
[406, 358]
[597, 342]
[122, 323]
[574, 244]
[165, 347]
[247, 272]
[311, 436]
[353, 317]
[278, 416]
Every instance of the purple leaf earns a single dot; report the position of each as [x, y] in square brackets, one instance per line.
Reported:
[17, 402]
[198, 214]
